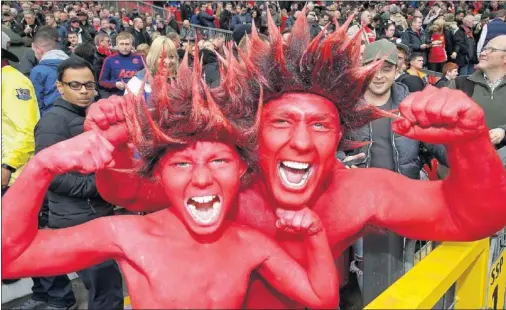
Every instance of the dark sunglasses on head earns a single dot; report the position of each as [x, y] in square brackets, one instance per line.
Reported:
[78, 85]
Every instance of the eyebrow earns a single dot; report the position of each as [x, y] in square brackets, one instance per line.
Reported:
[311, 116]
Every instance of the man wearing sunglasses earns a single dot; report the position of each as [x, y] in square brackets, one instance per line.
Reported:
[487, 87]
[73, 197]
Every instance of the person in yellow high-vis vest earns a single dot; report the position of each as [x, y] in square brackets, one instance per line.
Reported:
[20, 114]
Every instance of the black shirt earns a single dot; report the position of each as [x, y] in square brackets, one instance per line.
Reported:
[382, 153]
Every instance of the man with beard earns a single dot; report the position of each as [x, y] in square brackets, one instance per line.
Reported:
[304, 117]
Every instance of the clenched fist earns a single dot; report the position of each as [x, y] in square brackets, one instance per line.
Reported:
[440, 116]
[303, 221]
[107, 117]
[85, 153]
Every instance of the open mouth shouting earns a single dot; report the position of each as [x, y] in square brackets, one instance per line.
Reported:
[294, 174]
[205, 210]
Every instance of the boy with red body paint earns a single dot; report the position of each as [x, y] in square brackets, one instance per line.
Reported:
[185, 256]
[313, 94]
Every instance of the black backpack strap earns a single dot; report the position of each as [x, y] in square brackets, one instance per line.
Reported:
[465, 85]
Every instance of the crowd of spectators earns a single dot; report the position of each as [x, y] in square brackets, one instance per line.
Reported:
[435, 42]
[435, 32]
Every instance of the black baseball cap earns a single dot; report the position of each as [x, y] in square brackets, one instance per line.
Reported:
[5, 53]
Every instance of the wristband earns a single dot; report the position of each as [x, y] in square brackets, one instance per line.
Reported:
[11, 169]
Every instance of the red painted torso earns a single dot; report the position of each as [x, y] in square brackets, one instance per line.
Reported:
[340, 217]
[167, 268]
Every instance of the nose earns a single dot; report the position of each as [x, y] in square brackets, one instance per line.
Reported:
[202, 177]
[301, 139]
[83, 89]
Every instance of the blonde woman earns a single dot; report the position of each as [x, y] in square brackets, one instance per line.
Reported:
[171, 64]
[440, 46]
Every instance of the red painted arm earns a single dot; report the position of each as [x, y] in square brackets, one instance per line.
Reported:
[468, 205]
[128, 189]
[318, 285]
[471, 203]
[119, 184]
[125, 188]
[28, 251]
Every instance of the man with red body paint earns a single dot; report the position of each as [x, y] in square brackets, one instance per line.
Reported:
[313, 95]
[201, 156]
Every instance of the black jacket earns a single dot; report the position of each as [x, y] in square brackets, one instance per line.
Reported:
[465, 48]
[413, 40]
[98, 63]
[186, 11]
[226, 20]
[111, 35]
[210, 68]
[443, 82]
[206, 20]
[73, 197]
[35, 26]
[140, 37]
[406, 151]
[85, 35]
[88, 28]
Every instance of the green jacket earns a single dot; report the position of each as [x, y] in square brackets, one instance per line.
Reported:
[493, 104]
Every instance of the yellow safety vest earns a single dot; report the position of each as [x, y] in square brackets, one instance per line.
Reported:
[20, 114]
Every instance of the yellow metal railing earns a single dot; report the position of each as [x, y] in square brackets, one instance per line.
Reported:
[465, 264]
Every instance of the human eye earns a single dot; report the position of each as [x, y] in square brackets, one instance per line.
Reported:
[321, 126]
[220, 161]
[75, 85]
[280, 122]
[181, 164]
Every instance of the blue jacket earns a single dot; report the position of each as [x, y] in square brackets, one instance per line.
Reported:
[206, 20]
[119, 67]
[195, 20]
[62, 34]
[240, 20]
[44, 77]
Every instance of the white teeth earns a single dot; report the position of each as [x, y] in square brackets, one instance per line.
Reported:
[294, 185]
[204, 215]
[203, 199]
[295, 165]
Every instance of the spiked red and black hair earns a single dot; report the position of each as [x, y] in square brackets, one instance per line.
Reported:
[183, 112]
[326, 66]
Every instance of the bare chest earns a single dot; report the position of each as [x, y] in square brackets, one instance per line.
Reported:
[168, 274]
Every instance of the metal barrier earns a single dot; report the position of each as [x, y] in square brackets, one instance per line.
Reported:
[465, 264]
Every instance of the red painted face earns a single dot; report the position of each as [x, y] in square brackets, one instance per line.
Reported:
[201, 181]
[297, 144]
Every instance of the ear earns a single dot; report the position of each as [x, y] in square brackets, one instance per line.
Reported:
[341, 134]
[59, 86]
[243, 167]
[157, 174]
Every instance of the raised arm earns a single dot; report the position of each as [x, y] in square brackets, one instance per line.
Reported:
[471, 202]
[28, 251]
[119, 184]
[316, 286]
